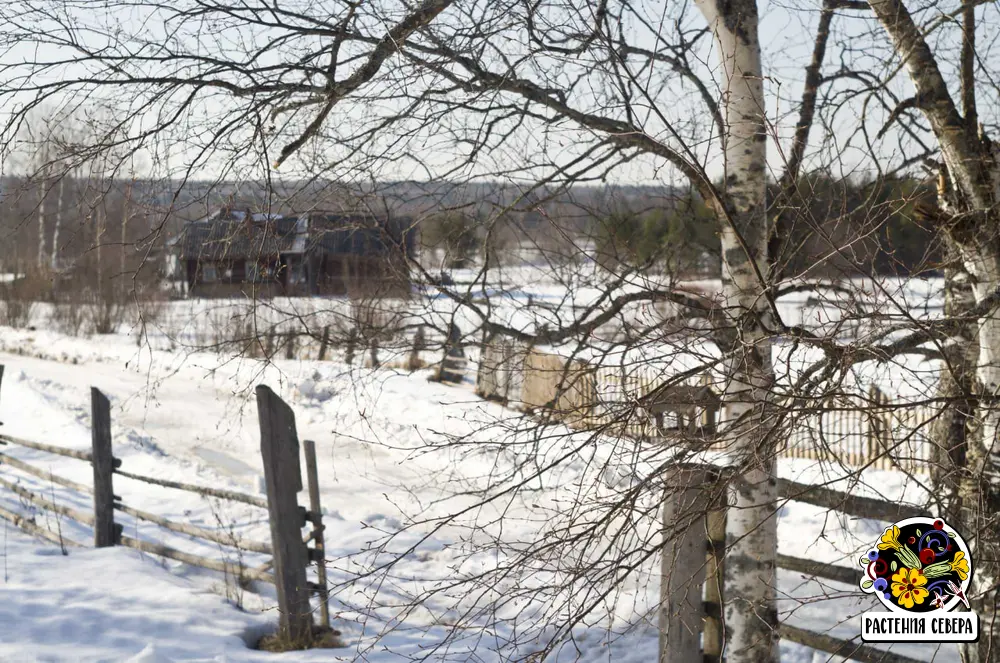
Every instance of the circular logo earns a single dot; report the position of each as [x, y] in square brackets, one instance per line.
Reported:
[918, 565]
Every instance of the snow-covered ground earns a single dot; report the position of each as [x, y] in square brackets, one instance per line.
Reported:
[384, 469]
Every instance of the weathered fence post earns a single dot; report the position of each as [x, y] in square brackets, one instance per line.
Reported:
[352, 342]
[106, 533]
[419, 345]
[269, 344]
[714, 574]
[319, 542]
[878, 429]
[279, 448]
[682, 610]
[453, 362]
[324, 342]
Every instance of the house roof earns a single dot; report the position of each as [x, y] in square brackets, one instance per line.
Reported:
[680, 397]
[224, 239]
[229, 235]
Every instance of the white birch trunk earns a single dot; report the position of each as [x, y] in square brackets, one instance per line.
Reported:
[58, 224]
[41, 221]
[121, 274]
[751, 613]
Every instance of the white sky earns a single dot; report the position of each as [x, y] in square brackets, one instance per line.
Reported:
[786, 35]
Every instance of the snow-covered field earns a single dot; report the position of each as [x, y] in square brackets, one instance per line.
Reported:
[388, 477]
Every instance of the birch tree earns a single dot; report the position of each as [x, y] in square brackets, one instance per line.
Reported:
[751, 614]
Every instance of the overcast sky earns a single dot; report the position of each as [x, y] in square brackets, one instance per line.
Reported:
[787, 32]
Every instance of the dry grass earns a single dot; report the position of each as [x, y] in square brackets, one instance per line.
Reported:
[322, 638]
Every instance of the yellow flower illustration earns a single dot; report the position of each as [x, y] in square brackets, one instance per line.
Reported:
[890, 539]
[960, 565]
[908, 587]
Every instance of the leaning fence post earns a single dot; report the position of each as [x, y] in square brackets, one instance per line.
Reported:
[316, 517]
[683, 564]
[714, 574]
[106, 533]
[279, 448]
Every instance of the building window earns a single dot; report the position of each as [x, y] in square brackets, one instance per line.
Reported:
[208, 274]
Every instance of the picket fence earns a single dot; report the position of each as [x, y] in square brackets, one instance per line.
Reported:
[860, 430]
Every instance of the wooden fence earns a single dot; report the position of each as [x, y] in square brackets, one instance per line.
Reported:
[691, 586]
[859, 430]
[290, 552]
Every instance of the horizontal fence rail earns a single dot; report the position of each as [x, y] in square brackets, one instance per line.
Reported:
[43, 474]
[232, 570]
[48, 448]
[814, 569]
[195, 531]
[41, 502]
[852, 505]
[230, 495]
[28, 525]
[838, 647]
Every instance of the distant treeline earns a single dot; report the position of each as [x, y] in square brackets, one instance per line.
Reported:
[826, 228]
[829, 227]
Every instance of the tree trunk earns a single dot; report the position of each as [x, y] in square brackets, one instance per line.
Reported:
[41, 221]
[970, 191]
[979, 495]
[751, 613]
[121, 270]
[55, 230]
[950, 432]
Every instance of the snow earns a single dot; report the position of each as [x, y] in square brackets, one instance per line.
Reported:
[384, 465]
[112, 605]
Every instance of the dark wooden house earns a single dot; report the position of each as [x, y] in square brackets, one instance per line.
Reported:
[237, 252]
